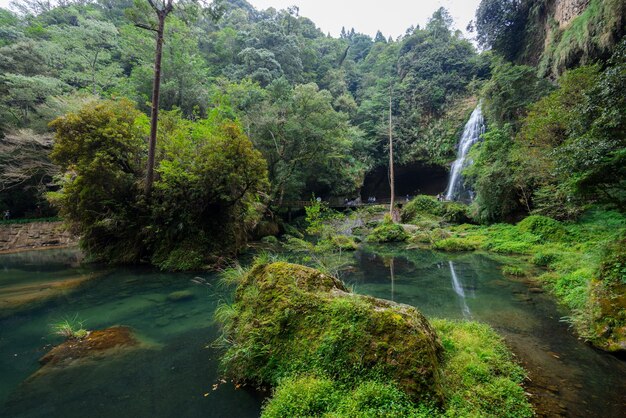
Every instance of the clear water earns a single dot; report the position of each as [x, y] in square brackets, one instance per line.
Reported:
[176, 378]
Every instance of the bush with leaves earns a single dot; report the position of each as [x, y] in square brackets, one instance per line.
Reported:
[206, 198]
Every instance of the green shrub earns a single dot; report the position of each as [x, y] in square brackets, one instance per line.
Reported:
[388, 231]
[456, 213]
[546, 228]
[270, 239]
[544, 259]
[421, 204]
[613, 265]
[344, 243]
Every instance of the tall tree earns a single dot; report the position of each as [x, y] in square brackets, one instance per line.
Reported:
[162, 9]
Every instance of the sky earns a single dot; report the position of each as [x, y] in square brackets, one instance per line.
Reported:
[391, 17]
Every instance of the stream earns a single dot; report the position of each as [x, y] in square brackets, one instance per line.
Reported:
[178, 374]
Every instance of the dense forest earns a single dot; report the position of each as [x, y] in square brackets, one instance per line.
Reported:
[181, 161]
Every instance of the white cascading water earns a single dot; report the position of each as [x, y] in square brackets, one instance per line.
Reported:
[458, 289]
[474, 128]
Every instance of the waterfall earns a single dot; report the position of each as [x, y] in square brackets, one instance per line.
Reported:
[458, 289]
[471, 134]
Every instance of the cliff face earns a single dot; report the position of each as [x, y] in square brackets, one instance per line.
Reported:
[566, 10]
[562, 34]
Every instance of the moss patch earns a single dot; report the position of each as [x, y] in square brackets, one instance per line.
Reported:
[330, 353]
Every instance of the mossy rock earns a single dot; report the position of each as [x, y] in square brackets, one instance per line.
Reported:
[421, 204]
[546, 228]
[344, 243]
[388, 232]
[291, 320]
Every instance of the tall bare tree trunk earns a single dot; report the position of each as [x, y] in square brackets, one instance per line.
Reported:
[156, 89]
[392, 183]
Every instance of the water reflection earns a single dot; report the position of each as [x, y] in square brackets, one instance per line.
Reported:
[458, 289]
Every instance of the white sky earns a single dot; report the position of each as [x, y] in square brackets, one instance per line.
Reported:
[391, 17]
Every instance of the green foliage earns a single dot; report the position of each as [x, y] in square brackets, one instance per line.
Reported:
[481, 376]
[209, 178]
[613, 265]
[510, 90]
[343, 337]
[100, 150]
[388, 231]
[546, 228]
[590, 35]
[322, 363]
[70, 329]
[492, 176]
[499, 25]
[585, 264]
[456, 244]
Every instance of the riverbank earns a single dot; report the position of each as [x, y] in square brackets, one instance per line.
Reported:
[35, 235]
[580, 263]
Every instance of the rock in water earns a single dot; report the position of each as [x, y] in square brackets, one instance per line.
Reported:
[96, 344]
[180, 296]
[290, 319]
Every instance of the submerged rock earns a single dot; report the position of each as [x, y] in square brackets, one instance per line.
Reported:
[96, 344]
[290, 319]
[180, 296]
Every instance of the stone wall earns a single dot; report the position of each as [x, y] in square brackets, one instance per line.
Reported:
[21, 237]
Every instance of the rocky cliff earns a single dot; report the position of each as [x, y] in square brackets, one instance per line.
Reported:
[562, 34]
[21, 237]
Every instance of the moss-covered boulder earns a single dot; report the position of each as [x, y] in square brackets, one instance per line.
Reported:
[388, 231]
[545, 228]
[291, 320]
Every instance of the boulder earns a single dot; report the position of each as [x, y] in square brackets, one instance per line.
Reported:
[289, 319]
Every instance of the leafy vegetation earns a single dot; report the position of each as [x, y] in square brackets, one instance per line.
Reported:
[584, 262]
[209, 180]
[352, 356]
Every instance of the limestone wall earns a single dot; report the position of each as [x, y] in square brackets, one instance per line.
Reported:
[21, 237]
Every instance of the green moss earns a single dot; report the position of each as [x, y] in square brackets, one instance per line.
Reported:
[585, 261]
[330, 353]
[481, 377]
[291, 319]
[546, 228]
[421, 204]
[344, 243]
[321, 397]
[456, 244]
[388, 231]
[270, 239]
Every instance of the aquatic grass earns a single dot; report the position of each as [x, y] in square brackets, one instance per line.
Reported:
[70, 328]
